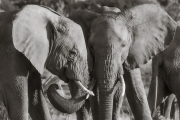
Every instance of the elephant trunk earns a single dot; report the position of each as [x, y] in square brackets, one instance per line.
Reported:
[65, 105]
[107, 72]
[105, 101]
[73, 104]
[106, 97]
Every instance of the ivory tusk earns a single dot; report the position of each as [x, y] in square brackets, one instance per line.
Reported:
[87, 96]
[123, 84]
[84, 88]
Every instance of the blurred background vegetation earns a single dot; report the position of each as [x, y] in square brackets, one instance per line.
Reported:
[66, 6]
[172, 7]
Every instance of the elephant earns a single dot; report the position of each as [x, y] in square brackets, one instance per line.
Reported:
[165, 73]
[118, 44]
[35, 38]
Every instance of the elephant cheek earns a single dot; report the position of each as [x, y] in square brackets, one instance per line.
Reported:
[78, 72]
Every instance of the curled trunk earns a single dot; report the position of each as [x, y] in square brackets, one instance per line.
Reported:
[65, 105]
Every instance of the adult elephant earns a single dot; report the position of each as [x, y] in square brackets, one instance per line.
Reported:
[32, 39]
[165, 76]
[119, 45]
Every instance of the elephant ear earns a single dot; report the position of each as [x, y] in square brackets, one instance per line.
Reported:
[152, 30]
[84, 18]
[31, 32]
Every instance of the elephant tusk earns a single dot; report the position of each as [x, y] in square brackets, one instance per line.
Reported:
[84, 88]
[123, 84]
[87, 96]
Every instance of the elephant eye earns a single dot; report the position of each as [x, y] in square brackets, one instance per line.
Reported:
[72, 55]
[123, 45]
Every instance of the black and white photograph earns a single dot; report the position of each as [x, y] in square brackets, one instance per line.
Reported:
[89, 59]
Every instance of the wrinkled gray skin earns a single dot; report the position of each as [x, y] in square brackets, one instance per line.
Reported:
[119, 44]
[32, 39]
[165, 76]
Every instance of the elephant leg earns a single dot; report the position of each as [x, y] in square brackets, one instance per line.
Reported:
[175, 110]
[136, 95]
[157, 92]
[117, 103]
[83, 113]
[161, 108]
[3, 103]
[38, 108]
[16, 98]
[175, 80]
[168, 106]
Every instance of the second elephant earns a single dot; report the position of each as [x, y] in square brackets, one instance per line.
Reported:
[165, 76]
[119, 44]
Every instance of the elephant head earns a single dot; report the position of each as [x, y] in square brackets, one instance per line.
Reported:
[127, 39]
[52, 41]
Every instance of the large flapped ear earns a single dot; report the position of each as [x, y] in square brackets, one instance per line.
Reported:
[152, 31]
[84, 19]
[30, 36]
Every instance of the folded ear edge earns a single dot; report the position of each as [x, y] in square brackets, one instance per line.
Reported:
[30, 38]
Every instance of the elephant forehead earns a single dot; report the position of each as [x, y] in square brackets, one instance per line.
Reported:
[109, 30]
[76, 36]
